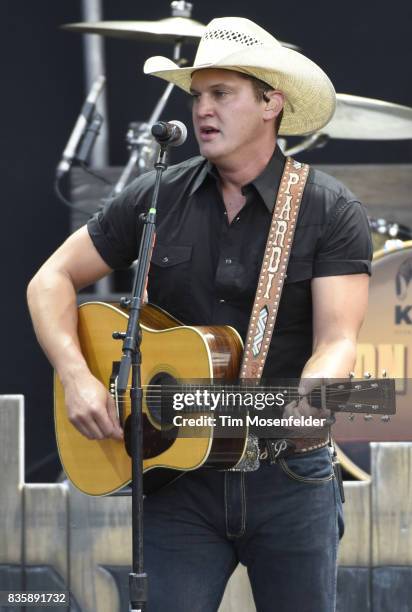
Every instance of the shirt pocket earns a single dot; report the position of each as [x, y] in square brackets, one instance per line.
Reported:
[169, 278]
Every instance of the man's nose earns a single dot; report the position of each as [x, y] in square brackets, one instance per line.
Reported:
[204, 106]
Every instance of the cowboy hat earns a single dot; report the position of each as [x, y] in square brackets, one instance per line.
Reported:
[235, 43]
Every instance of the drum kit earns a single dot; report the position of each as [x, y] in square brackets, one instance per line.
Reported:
[386, 336]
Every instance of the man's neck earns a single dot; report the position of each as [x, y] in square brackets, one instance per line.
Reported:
[235, 174]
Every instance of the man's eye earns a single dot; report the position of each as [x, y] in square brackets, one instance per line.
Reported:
[220, 94]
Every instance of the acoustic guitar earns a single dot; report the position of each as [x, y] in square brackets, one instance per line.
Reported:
[171, 352]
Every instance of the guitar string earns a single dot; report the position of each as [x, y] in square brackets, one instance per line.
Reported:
[243, 389]
[291, 397]
[331, 403]
[156, 393]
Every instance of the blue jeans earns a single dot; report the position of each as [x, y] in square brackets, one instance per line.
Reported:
[283, 522]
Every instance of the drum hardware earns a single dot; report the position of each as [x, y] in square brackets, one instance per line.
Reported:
[387, 235]
[314, 141]
[391, 230]
[140, 141]
[180, 8]
[177, 29]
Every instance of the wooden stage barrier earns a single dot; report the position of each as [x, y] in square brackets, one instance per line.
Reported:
[54, 538]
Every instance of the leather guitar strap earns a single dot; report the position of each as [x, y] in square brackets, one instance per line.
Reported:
[273, 272]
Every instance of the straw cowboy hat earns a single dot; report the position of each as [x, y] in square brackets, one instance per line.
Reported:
[234, 43]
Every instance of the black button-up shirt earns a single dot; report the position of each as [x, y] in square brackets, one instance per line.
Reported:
[205, 270]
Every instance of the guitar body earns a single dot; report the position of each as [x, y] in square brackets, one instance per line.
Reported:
[170, 351]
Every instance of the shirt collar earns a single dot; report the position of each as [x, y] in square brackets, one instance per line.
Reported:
[266, 184]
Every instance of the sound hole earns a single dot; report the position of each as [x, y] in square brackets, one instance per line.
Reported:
[159, 399]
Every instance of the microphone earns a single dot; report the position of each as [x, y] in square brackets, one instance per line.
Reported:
[81, 124]
[173, 133]
[89, 138]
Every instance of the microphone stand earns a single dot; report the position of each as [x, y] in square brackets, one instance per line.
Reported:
[132, 359]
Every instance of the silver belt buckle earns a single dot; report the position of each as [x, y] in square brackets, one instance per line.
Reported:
[250, 459]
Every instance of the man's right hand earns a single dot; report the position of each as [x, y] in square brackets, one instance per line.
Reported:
[91, 408]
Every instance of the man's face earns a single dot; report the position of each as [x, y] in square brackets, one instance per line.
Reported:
[227, 118]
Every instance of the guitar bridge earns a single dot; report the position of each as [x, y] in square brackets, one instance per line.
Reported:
[113, 390]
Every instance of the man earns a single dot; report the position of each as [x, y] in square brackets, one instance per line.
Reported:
[282, 521]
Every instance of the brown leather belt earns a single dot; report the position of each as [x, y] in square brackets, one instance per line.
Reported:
[297, 446]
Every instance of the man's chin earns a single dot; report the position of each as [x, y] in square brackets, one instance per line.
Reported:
[211, 153]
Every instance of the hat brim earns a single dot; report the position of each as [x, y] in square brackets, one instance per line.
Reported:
[310, 98]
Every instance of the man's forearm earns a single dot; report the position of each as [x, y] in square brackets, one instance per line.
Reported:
[53, 308]
[333, 360]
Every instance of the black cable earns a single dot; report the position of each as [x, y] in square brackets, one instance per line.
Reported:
[60, 195]
[67, 202]
[72, 205]
[95, 174]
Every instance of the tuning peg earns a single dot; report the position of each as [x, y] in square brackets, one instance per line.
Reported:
[384, 373]
[385, 418]
[351, 417]
[367, 417]
[351, 375]
[367, 375]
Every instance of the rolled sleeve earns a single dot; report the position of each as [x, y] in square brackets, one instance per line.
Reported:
[116, 230]
[345, 246]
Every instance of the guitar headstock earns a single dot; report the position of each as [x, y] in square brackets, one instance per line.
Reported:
[362, 396]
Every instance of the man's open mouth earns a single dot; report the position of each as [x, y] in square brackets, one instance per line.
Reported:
[208, 130]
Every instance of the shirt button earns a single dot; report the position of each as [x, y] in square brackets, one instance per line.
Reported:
[222, 301]
[228, 261]
[165, 259]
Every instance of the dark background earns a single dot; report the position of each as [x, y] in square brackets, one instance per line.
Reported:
[364, 47]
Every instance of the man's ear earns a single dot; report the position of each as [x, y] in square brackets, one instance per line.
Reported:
[273, 104]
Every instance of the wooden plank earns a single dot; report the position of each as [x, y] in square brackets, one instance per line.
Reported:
[46, 529]
[100, 535]
[391, 499]
[353, 589]
[392, 589]
[11, 477]
[355, 547]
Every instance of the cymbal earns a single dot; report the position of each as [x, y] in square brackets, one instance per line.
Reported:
[358, 118]
[167, 30]
[163, 30]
